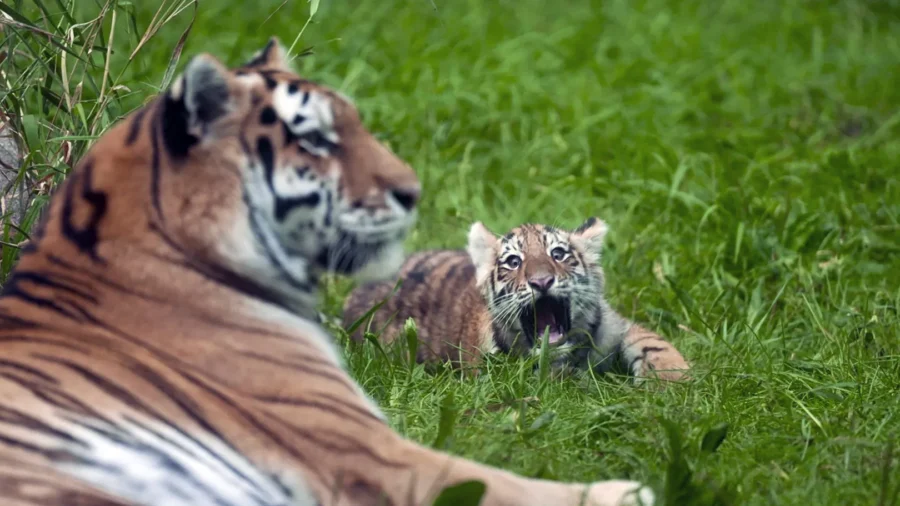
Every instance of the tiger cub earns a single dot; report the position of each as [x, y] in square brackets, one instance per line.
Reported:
[505, 293]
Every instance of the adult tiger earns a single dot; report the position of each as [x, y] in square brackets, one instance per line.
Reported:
[156, 340]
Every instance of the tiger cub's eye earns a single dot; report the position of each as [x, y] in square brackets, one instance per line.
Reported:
[559, 254]
[513, 262]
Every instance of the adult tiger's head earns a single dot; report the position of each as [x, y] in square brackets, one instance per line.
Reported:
[258, 175]
[538, 278]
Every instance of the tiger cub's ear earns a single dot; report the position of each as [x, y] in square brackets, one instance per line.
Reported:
[271, 56]
[589, 238]
[482, 249]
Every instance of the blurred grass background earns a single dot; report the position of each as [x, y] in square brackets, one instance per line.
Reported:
[745, 155]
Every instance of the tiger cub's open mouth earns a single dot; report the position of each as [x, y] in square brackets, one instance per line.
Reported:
[547, 313]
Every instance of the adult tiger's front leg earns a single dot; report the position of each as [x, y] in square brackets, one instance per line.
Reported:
[349, 456]
[301, 417]
[433, 471]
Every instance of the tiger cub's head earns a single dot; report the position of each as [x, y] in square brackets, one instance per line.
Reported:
[538, 279]
[260, 176]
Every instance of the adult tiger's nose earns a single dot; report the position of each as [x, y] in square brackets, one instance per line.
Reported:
[541, 283]
[407, 197]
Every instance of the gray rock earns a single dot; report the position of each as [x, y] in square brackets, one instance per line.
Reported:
[14, 197]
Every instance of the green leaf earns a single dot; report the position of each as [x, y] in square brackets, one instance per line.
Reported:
[885, 497]
[176, 53]
[90, 138]
[16, 16]
[313, 8]
[359, 321]
[546, 472]
[713, 438]
[544, 361]
[679, 475]
[543, 420]
[373, 340]
[31, 130]
[412, 340]
[449, 413]
[467, 493]
[28, 25]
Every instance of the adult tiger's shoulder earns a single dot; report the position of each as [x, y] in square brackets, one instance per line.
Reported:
[156, 342]
[503, 294]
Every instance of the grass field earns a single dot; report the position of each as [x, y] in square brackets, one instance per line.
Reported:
[745, 154]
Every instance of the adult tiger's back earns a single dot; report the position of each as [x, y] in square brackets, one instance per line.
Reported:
[155, 337]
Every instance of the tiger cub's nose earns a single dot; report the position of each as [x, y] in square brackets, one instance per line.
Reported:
[541, 283]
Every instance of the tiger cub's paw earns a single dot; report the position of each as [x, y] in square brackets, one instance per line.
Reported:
[665, 365]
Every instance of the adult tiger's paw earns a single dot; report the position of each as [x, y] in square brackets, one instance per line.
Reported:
[620, 493]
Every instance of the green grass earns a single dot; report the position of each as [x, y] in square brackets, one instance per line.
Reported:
[745, 155]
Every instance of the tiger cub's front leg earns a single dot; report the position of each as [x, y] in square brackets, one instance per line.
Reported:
[646, 354]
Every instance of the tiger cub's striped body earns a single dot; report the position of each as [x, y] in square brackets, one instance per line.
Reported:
[156, 342]
[505, 292]
[438, 293]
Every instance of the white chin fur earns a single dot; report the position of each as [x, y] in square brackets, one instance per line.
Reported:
[382, 266]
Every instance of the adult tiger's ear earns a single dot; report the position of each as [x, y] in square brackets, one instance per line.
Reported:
[198, 97]
[482, 249]
[589, 238]
[271, 56]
